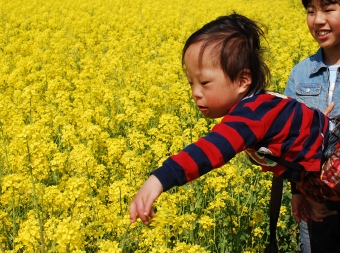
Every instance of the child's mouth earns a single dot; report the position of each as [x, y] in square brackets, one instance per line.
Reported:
[202, 108]
[322, 33]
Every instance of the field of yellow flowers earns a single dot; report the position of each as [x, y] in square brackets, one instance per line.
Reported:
[93, 98]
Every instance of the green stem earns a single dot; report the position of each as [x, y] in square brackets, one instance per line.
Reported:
[5, 148]
[13, 217]
[124, 238]
[1, 248]
[192, 209]
[92, 203]
[120, 201]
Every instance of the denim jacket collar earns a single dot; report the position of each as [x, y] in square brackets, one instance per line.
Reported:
[317, 61]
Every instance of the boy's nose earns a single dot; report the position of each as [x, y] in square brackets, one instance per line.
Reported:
[319, 18]
[196, 91]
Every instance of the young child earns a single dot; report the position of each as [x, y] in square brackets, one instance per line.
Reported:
[224, 66]
[315, 81]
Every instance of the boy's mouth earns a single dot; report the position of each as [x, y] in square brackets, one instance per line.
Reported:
[202, 108]
[322, 33]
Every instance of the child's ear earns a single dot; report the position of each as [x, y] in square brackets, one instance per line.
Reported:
[244, 79]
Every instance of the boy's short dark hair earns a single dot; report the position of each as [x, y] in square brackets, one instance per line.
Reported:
[306, 3]
[235, 42]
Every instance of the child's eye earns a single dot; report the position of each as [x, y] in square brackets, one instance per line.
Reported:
[330, 7]
[310, 11]
[204, 83]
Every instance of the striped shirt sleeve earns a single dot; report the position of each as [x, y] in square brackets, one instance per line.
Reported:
[284, 126]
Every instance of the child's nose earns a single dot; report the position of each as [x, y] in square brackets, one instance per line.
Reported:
[196, 91]
[319, 17]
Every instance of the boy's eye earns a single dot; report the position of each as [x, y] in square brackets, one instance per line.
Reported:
[204, 83]
[330, 7]
[310, 11]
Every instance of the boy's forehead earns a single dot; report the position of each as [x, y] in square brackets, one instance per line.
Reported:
[321, 3]
[202, 50]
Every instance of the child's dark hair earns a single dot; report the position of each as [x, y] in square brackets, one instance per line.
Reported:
[236, 44]
[306, 3]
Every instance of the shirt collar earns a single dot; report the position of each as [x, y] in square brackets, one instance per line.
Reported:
[317, 61]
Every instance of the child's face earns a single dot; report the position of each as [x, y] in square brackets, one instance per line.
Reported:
[324, 24]
[214, 93]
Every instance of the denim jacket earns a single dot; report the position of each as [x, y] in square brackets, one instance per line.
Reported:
[308, 83]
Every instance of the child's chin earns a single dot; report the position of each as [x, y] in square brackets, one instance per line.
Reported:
[209, 116]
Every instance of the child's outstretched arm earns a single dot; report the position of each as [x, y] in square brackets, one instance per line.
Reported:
[141, 205]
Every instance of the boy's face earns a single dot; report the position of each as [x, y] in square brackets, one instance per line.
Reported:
[324, 24]
[214, 93]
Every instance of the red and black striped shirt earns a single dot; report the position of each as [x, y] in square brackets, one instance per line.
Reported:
[264, 122]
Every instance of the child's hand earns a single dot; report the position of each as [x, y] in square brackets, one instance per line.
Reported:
[319, 211]
[141, 204]
[300, 208]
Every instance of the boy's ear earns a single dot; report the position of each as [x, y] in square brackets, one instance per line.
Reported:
[244, 79]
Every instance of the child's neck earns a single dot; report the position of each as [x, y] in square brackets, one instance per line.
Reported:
[332, 56]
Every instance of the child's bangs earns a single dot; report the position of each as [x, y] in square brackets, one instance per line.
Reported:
[306, 3]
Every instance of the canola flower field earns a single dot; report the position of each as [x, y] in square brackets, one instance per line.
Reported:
[93, 98]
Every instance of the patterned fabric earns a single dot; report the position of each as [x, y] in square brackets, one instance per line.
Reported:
[324, 185]
[330, 173]
[279, 125]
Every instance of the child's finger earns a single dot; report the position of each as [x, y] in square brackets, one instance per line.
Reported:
[133, 212]
[319, 215]
[329, 109]
[143, 209]
[305, 214]
[142, 212]
[152, 213]
[331, 213]
[296, 216]
[316, 219]
[141, 205]
[148, 211]
[137, 209]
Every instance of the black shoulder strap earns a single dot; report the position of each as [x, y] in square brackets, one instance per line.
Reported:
[284, 162]
[275, 204]
[275, 201]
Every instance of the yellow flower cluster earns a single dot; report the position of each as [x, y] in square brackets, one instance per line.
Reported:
[93, 98]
